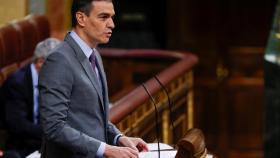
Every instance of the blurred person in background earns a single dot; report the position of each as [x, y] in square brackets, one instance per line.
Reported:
[20, 91]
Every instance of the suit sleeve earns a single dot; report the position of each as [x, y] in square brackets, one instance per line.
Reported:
[55, 85]
[112, 132]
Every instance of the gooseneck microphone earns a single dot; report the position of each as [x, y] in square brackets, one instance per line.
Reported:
[156, 116]
[169, 106]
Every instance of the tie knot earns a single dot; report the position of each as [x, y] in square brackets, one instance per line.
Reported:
[92, 60]
[92, 57]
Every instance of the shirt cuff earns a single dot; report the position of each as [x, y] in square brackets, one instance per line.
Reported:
[116, 139]
[101, 150]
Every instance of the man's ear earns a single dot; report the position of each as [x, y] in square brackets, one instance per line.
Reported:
[81, 17]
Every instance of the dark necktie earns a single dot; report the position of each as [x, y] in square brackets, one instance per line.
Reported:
[92, 60]
[36, 105]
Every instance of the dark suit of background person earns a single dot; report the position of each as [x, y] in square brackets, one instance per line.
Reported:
[74, 95]
[21, 111]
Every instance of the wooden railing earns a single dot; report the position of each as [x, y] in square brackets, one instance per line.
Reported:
[134, 112]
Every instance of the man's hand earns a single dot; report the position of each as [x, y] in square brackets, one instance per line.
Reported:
[133, 143]
[120, 152]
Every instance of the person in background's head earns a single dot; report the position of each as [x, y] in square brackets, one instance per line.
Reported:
[42, 51]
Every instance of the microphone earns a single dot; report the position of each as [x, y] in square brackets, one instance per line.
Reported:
[169, 106]
[156, 115]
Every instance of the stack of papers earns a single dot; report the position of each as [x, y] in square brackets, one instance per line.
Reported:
[167, 151]
[162, 146]
[154, 154]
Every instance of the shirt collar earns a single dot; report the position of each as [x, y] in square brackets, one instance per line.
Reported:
[34, 74]
[85, 48]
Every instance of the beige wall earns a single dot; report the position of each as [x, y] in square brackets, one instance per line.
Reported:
[57, 11]
[12, 9]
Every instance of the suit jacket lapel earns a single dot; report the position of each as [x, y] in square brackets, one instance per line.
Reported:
[86, 66]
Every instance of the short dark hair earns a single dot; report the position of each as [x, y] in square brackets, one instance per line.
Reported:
[82, 6]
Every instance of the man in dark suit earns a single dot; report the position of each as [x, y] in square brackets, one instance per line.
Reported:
[21, 102]
[74, 95]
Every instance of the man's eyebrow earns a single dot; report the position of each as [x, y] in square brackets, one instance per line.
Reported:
[106, 14]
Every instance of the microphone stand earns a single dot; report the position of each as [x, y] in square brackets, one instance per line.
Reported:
[169, 106]
[156, 115]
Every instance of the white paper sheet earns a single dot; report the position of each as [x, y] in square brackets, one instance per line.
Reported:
[162, 146]
[154, 154]
[35, 154]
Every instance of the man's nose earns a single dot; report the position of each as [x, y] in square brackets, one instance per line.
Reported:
[111, 24]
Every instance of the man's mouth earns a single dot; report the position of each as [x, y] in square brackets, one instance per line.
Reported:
[108, 34]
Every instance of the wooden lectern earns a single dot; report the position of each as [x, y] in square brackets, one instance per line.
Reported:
[192, 145]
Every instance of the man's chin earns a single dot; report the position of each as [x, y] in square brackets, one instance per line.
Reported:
[104, 41]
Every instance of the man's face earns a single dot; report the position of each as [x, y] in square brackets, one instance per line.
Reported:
[99, 24]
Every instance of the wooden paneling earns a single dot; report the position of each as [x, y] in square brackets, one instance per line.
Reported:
[246, 61]
[245, 115]
[59, 15]
[229, 38]
[230, 110]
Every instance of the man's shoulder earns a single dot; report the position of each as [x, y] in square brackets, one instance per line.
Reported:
[18, 79]
[20, 74]
[64, 48]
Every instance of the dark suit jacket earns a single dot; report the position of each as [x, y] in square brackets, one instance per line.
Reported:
[74, 108]
[18, 92]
